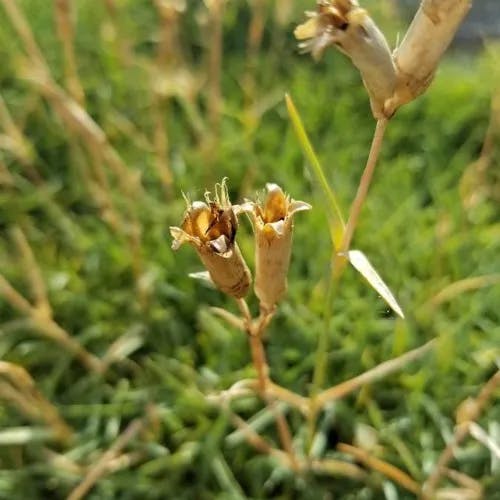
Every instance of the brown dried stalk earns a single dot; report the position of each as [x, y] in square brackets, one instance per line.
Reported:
[40, 313]
[469, 489]
[380, 371]
[48, 328]
[325, 466]
[6, 178]
[168, 56]
[474, 186]
[458, 287]
[364, 185]
[254, 41]
[479, 434]
[33, 271]
[469, 411]
[257, 441]
[392, 472]
[18, 387]
[334, 467]
[93, 137]
[214, 104]
[79, 121]
[69, 110]
[255, 330]
[98, 186]
[248, 387]
[17, 143]
[66, 33]
[116, 37]
[256, 27]
[106, 461]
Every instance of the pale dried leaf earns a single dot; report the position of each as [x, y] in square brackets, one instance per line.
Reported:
[360, 262]
[204, 277]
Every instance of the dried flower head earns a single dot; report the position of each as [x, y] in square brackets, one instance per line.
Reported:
[418, 55]
[273, 227]
[210, 227]
[343, 24]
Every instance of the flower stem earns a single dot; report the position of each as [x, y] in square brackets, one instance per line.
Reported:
[255, 330]
[364, 184]
[338, 266]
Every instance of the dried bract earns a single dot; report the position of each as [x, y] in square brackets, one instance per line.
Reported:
[273, 227]
[343, 24]
[210, 227]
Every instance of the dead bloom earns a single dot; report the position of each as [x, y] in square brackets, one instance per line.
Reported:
[344, 24]
[273, 225]
[427, 38]
[210, 227]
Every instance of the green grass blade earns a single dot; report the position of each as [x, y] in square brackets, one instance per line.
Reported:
[334, 211]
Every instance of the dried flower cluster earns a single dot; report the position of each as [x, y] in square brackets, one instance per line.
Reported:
[390, 79]
[210, 226]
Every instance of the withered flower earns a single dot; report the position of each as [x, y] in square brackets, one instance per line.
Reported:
[210, 227]
[429, 35]
[273, 227]
[344, 24]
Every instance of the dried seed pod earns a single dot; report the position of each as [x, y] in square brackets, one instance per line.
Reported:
[273, 227]
[344, 24]
[211, 229]
[427, 38]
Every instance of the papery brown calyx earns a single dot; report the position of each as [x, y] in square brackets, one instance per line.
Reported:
[343, 24]
[211, 229]
[273, 227]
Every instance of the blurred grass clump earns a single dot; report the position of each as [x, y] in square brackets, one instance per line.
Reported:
[108, 347]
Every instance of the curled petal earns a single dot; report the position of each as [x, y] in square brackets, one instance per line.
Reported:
[180, 236]
[298, 206]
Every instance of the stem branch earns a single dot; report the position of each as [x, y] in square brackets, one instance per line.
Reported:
[255, 330]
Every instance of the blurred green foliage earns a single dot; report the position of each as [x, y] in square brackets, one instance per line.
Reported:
[414, 228]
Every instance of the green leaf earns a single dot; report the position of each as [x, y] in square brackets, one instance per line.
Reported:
[334, 212]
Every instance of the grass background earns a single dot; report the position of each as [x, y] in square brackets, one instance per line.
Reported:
[415, 228]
